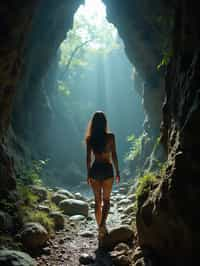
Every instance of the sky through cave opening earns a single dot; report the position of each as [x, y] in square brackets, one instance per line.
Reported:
[94, 73]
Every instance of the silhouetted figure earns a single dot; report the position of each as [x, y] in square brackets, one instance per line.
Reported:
[101, 144]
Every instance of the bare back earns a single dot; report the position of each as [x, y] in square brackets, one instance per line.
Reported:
[108, 155]
[105, 156]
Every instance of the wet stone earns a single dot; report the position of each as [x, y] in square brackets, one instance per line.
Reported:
[87, 234]
[86, 259]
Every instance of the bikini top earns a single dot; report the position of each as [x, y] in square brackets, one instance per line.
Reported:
[106, 149]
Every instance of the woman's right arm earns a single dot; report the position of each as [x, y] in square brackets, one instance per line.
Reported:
[114, 158]
[88, 158]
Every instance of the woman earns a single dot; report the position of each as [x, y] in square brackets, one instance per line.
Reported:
[101, 144]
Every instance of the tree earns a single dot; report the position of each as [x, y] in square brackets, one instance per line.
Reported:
[87, 37]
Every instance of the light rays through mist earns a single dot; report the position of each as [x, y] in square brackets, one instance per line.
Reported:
[95, 74]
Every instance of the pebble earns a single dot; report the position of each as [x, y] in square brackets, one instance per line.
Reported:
[61, 241]
[47, 250]
[89, 218]
[87, 234]
[76, 218]
[68, 238]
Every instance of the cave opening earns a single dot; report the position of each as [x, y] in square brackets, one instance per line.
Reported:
[70, 74]
[94, 73]
[90, 71]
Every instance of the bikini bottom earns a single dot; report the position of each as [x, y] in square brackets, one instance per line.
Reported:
[101, 170]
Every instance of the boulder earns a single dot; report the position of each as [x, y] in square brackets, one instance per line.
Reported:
[122, 247]
[86, 259]
[119, 197]
[129, 209]
[132, 197]
[15, 258]
[121, 260]
[123, 202]
[43, 208]
[122, 234]
[76, 218]
[57, 198]
[67, 193]
[145, 256]
[41, 192]
[78, 196]
[121, 256]
[34, 236]
[127, 221]
[58, 219]
[74, 207]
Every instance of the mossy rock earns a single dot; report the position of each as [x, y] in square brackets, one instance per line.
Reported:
[15, 258]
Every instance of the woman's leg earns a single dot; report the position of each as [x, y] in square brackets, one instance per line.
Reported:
[97, 189]
[107, 188]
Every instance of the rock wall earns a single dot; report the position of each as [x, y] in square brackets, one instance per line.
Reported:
[15, 23]
[27, 47]
[144, 26]
[168, 217]
[49, 27]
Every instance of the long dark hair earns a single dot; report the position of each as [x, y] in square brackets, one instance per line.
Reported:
[96, 132]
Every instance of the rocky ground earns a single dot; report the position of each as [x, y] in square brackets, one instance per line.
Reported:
[76, 243]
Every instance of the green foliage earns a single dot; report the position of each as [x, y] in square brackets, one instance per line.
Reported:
[52, 206]
[135, 148]
[27, 211]
[165, 24]
[28, 197]
[31, 175]
[144, 184]
[29, 214]
[63, 88]
[167, 55]
[90, 35]
[149, 179]
[40, 217]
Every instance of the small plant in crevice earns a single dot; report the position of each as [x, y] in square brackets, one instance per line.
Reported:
[135, 147]
[167, 55]
[136, 156]
[144, 184]
[149, 180]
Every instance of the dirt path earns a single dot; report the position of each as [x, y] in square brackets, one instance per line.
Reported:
[77, 238]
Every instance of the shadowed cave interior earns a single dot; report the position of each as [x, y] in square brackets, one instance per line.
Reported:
[139, 63]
